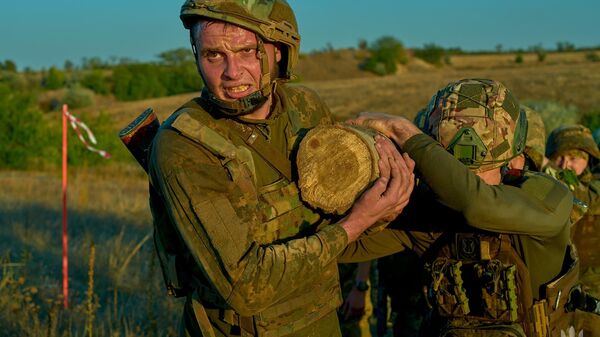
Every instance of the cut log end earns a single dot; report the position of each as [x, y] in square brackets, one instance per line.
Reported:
[336, 163]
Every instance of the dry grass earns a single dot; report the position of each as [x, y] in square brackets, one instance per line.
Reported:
[109, 204]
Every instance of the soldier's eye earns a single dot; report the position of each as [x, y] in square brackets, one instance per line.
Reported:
[248, 52]
[211, 55]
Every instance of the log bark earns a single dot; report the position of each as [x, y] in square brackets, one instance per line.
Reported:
[336, 163]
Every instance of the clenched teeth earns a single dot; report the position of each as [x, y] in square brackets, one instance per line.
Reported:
[239, 88]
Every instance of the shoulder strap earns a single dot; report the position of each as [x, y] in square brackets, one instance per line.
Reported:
[264, 149]
[248, 134]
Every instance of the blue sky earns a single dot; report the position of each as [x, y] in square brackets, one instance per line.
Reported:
[40, 33]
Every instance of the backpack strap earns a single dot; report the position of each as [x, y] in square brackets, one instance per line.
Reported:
[248, 134]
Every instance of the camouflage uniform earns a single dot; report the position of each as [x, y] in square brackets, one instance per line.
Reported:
[584, 231]
[587, 189]
[228, 223]
[231, 232]
[450, 223]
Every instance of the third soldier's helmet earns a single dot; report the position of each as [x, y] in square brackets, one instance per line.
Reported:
[535, 146]
[272, 20]
[571, 137]
[479, 121]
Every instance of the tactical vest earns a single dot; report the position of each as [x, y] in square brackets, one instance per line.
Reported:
[585, 233]
[478, 285]
[280, 215]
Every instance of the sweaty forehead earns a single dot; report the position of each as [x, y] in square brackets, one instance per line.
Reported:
[216, 33]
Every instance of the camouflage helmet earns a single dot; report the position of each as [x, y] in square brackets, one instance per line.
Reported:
[535, 145]
[273, 20]
[479, 121]
[571, 137]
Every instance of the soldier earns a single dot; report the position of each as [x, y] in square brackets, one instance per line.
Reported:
[573, 148]
[496, 244]
[231, 232]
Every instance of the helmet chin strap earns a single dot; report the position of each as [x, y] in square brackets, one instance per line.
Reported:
[249, 103]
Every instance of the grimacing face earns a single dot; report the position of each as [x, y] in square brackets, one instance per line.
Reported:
[229, 60]
[570, 162]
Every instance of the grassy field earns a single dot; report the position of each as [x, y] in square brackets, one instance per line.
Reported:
[108, 204]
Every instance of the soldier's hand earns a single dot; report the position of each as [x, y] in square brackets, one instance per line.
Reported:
[388, 196]
[397, 128]
[354, 305]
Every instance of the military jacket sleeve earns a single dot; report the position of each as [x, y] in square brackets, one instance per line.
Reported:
[538, 206]
[197, 191]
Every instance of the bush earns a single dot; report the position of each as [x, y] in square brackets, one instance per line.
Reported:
[386, 53]
[55, 79]
[592, 57]
[22, 132]
[554, 114]
[96, 81]
[541, 55]
[431, 53]
[140, 81]
[519, 58]
[77, 97]
[591, 119]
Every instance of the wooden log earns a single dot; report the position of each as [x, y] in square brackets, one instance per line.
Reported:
[336, 163]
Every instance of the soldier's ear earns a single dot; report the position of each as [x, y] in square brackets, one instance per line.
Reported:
[517, 163]
[277, 53]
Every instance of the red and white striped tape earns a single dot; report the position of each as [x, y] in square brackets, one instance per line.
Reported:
[76, 123]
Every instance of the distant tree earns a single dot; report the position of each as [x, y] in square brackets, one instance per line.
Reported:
[69, 65]
[386, 53]
[363, 44]
[539, 51]
[93, 63]
[564, 46]
[499, 48]
[454, 51]
[10, 65]
[177, 57]
[55, 79]
[431, 53]
[126, 60]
